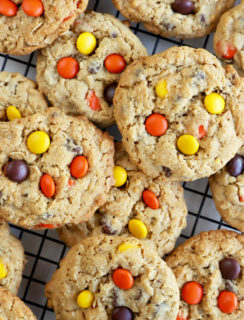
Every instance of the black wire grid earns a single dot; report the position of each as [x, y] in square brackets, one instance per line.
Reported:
[43, 249]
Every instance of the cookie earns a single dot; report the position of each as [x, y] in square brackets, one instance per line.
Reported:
[146, 208]
[229, 38]
[56, 169]
[175, 18]
[12, 308]
[108, 277]
[12, 260]
[209, 272]
[227, 187]
[26, 25]
[19, 97]
[180, 113]
[80, 70]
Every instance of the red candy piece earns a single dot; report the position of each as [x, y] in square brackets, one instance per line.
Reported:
[93, 101]
[115, 63]
[202, 132]
[47, 185]
[123, 279]
[227, 301]
[227, 51]
[156, 125]
[192, 292]
[79, 167]
[241, 199]
[46, 226]
[33, 8]
[8, 8]
[150, 199]
[68, 67]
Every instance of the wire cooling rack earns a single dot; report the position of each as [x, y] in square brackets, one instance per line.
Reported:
[43, 249]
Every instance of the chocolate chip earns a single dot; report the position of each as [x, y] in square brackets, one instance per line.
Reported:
[236, 165]
[106, 229]
[167, 172]
[229, 268]
[122, 313]
[109, 92]
[203, 18]
[183, 6]
[16, 170]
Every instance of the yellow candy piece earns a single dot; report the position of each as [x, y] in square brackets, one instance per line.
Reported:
[120, 176]
[161, 89]
[3, 271]
[188, 144]
[137, 228]
[85, 299]
[126, 246]
[214, 103]
[86, 43]
[38, 142]
[13, 113]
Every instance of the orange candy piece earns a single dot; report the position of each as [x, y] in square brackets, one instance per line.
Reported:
[241, 199]
[150, 199]
[115, 63]
[46, 226]
[93, 101]
[179, 317]
[156, 125]
[33, 8]
[47, 185]
[227, 51]
[227, 301]
[123, 279]
[68, 67]
[202, 132]
[8, 8]
[79, 167]
[192, 292]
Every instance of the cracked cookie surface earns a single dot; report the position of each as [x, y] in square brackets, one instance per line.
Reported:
[20, 92]
[199, 259]
[159, 17]
[17, 38]
[228, 195]
[75, 198]
[163, 224]
[229, 38]
[91, 265]
[112, 37]
[186, 76]
[12, 308]
[12, 259]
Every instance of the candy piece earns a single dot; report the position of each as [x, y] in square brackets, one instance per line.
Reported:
[137, 228]
[226, 50]
[47, 226]
[86, 43]
[109, 92]
[33, 8]
[79, 167]
[202, 132]
[227, 301]
[71, 182]
[214, 103]
[13, 113]
[47, 185]
[236, 165]
[230, 268]
[126, 246]
[156, 125]
[8, 8]
[122, 313]
[38, 142]
[241, 199]
[3, 271]
[85, 299]
[68, 67]
[150, 199]
[123, 279]
[161, 89]
[188, 144]
[16, 170]
[179, 317]
[183, 6]
[120, 176]
[115, 63]
[192, 292]
[93, 101]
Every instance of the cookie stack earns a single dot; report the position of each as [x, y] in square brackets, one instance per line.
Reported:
[120, 206]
